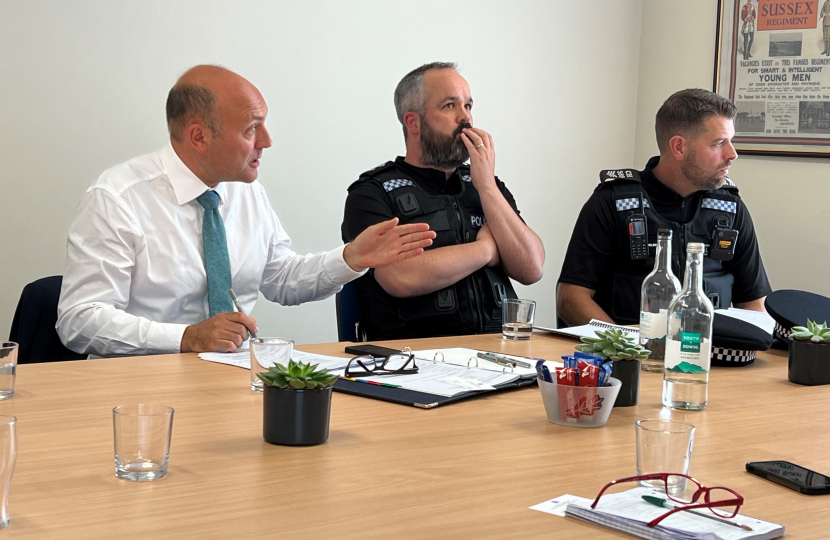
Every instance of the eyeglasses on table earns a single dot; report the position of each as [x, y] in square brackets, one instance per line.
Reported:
[367, 365]
[721, 501]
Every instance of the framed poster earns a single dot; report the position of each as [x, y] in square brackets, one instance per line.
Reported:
[773, 62]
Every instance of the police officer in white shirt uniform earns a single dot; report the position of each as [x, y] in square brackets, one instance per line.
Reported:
[137, 272]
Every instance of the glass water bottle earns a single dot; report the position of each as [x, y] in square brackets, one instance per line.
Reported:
[689, 339]
[659, 289]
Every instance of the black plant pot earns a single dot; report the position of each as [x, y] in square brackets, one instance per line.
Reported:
[295, 417]
[628, 372]
[809, 362]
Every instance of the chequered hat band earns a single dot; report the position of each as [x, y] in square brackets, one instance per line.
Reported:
[389, 185]
[733, 356]
[781, 333]
[629, 204]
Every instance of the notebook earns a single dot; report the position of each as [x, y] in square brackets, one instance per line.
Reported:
[589, 330]
[627, 512]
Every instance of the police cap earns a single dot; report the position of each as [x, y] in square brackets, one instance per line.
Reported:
[792, 308]
[735, 342]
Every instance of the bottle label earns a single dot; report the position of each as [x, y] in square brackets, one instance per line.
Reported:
[689, 355]
[653, 325]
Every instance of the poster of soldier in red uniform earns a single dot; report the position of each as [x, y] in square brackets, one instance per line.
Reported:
[773, 61]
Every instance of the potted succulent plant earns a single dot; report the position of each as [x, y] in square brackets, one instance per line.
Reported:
[809, 354]
[626, 354]
[296, 403]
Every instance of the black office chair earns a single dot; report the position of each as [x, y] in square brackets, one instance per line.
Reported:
[347, 303]
[33, 326]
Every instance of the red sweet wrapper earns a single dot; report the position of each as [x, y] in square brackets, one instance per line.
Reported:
[568, 401]
[566, 376]
[588, 374]
[588, 377]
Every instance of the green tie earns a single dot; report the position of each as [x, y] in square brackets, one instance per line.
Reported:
[215, 248]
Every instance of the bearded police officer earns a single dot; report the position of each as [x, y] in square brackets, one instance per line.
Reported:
[684, 189]
[458, 285]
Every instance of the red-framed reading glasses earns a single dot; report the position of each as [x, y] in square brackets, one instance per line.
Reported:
[722, 501]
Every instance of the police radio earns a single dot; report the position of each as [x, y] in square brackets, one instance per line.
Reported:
[723, 243]
[638, 233]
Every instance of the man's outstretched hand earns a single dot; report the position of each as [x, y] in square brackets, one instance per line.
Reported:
[386, 243]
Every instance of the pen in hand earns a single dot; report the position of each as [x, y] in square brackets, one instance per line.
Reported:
[239, 309]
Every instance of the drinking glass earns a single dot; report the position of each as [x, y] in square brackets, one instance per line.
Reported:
[265, 352]
[8, 456]
[142, 441]
[517, 318]
[664, 446]
[8, 368]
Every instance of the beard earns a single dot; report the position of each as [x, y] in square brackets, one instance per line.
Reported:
[699, 177]
[441, 150]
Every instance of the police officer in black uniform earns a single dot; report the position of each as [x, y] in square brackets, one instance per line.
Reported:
[460, 283]
[684, 189]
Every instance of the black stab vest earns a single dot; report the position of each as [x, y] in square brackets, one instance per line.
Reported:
[470, 306]
[622, 299]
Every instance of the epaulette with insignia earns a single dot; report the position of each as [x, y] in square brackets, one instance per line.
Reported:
[380, 168]
[464, 173]
[611, 175]
[370, 173]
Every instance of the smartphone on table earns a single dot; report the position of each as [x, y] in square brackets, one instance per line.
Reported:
[372, 350]
[790, 475]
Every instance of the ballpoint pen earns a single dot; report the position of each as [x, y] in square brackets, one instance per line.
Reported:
[503, 360]
[239, 309]
[663, 503]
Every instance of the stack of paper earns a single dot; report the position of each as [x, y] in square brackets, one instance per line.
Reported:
[469, 357]
[629, 513]
[243, 359]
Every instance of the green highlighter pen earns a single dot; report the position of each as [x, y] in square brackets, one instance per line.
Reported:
[663, 503]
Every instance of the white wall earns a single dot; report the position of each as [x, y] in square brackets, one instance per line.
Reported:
[84, 85]
[787, 197]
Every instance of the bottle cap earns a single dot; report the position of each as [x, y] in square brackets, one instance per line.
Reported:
[694, 247]
[664, 233]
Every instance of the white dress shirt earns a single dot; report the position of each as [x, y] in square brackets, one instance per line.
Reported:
[135, 275]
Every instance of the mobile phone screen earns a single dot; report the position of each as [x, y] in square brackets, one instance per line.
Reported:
[791, 473]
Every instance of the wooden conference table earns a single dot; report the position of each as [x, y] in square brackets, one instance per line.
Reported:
[465, 470]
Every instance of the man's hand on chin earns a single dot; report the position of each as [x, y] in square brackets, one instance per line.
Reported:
[222, 332]
[482, 152]
[387, 243]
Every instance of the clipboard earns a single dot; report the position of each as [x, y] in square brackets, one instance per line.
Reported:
[421, 400]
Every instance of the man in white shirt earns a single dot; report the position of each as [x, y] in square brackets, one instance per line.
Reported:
[136, 279]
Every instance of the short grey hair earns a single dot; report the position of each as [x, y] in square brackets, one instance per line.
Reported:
[410, 95]
[186, 101]
[685, 112]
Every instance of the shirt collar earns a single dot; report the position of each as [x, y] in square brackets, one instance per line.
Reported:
[655, 187]
[186, 185]
[434, 177]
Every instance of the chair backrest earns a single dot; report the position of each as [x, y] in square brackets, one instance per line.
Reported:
[347, 304]
[33, 326]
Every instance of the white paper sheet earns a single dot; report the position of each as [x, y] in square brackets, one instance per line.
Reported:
[444, 379]
[243, 359]
[761, 319]
[461, 356]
